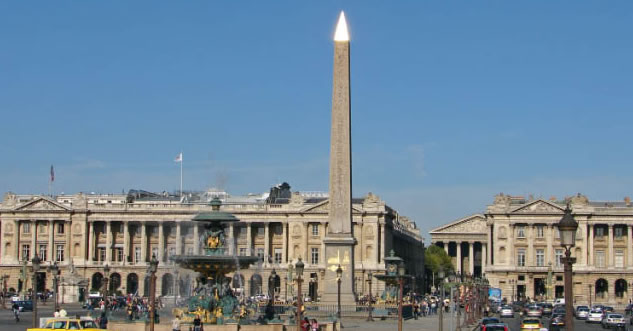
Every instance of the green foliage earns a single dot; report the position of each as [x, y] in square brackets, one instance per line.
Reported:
[435, 258]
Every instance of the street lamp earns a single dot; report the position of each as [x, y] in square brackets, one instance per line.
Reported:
[299, 268]
[567, 227]
[153, 267]
[4, 290]
[339, 275]
[106, 272]
[370, 318]
[440, 275]
[54, 269]
[177, 286]
[36, 268]
[401, 271]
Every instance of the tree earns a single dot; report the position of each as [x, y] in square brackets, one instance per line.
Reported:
[435, 258]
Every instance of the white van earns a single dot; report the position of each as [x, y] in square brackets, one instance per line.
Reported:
[559, 301]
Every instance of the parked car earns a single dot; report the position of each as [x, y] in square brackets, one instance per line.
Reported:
[534, 311]
[558, 312]
[547, 309]
[556, 323]
[495, 327]
[531, 324]
[506, 311]
[68, 324]
[595, 316]
[628, 308]
[487, 320]
[25, 305]
[612, 320]
[582, 312]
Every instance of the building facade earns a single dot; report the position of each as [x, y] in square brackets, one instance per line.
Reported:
[521, 253]
[84, 232]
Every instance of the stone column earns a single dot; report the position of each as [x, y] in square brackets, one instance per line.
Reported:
[91, 241]
[445, 245]
[231, 239]
[33, 238]
[307, 259]
[161, 242]
[489, 245]
[249, 239]
[144, 243]
[126, 242]
[585, 242]
[179, 238]
[550, 247]
[51, 241]
[610, 242]
[16, 240]
[458, 258]
[196, 239]
[68, 244]
[591, 249]
[629, 242]
[266, 242]
[322, 253]
[529, 254]
[510, 249]
[284, 236]
[109, 242]
[484, 256]
[471, 257]
[382, 248]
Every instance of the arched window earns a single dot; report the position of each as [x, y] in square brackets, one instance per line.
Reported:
[132, 283]
[256, 284]
[620, 288]
[168, 284]
[97, 281]
[602, 288]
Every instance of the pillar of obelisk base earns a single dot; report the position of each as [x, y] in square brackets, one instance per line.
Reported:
[339, 241]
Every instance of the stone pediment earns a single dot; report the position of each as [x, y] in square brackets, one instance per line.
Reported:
[42, 204]
[324, 207]
[471, 224]
[538, 207]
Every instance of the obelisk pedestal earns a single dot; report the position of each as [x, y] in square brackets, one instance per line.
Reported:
[339, 241]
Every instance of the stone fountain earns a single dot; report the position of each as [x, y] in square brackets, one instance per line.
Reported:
[213, 299]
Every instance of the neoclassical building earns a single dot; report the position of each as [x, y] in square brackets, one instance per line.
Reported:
[84, 232]
[516, 243]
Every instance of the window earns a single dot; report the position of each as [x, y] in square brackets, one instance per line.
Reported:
[540, 257]
[277, 255]
[600, 258]
[522, 278]
[314, 255]
[260, 253]
[26, 252]
[172, 251]
[155, 252]
[619, 259]
[60, 253]
[540, 233]
[260, 231]
[118, 254]
[137, 255]
[26, 228]
[243, 252]
[521, 257]
[315, 229]
[101, 254]
[189, 250]
[599, 231]
[619, 233]
[559, 258]
[559, 278]
[43, 252]
[241, 232]
[520, 231]
[60, 228]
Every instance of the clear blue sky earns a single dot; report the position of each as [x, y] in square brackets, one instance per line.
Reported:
[452, 102]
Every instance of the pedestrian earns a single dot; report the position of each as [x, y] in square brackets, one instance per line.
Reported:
[314, 325]
[305, 324]
[197, 323]
[175, 323]
[103, 321]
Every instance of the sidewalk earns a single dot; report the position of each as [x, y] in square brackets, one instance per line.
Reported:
[430, 323]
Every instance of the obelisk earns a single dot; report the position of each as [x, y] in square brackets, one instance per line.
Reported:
[339, 240]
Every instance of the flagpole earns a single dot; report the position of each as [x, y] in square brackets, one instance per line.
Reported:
[181, 174]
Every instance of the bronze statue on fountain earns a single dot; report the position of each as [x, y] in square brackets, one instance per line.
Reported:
[213, 299]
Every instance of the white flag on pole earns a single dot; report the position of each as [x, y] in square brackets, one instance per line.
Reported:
[179, 157]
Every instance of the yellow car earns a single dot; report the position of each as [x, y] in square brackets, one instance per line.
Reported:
[68, 324]
[531, 324]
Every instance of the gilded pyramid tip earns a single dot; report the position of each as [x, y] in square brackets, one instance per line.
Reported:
[341, 33]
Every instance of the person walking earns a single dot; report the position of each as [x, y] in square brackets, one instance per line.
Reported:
[175, 323]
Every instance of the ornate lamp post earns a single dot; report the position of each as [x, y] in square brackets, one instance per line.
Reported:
[106, 273]
[401, 274]
[567, 227]
[153, 267]
[36, 268]
[440, 275]
[370, 318]
[4, 290]
[54, 269]
[299, 268]
[339, 274]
